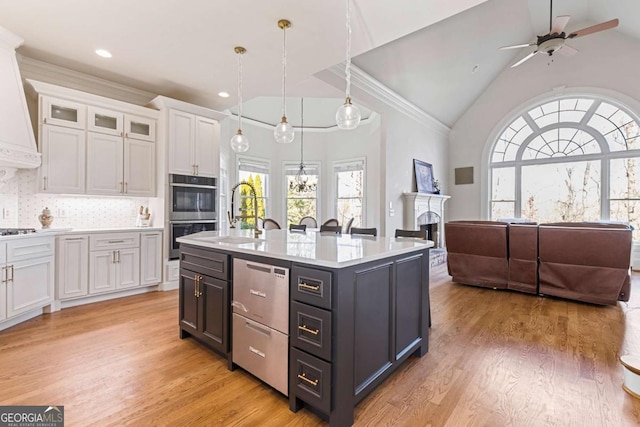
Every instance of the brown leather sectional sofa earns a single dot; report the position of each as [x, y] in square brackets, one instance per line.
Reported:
[584, 261]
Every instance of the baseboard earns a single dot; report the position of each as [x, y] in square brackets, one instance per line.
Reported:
[105, 297]
[168, 286]
[5, 324]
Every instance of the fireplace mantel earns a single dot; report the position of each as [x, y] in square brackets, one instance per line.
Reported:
[415, 204]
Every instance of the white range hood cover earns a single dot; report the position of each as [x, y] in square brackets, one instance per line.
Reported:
[17, 141]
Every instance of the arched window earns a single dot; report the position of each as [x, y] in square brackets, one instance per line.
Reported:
[570, 159]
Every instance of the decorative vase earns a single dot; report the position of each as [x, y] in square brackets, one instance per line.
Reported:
[45, 218]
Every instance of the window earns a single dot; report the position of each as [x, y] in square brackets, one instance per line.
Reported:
[255, 172]
[350, 191]
[301, 203]
[572, 159]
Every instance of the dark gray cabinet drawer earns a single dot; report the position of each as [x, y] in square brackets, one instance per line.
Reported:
[206, 262]
[311, 329]
[310, 379]
[311, 286]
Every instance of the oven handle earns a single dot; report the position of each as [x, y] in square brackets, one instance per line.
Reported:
[194, 186]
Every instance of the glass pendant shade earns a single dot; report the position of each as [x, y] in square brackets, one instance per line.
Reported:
[348, 116]
[239, 142]
[283, 133]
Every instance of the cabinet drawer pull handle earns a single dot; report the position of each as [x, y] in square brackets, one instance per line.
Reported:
[44, 183]
[116, 241]
[257, 293]
[5, 277]
[308, 381]
[310, 287]
[12, 272]
[311, 331]
[258, 352]
[74, 238]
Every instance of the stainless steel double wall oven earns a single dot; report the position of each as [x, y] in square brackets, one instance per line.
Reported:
[193, 207]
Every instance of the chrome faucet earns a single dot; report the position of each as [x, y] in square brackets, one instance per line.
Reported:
[233, 217]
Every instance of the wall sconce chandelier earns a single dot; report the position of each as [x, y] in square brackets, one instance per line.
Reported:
[300, 183]
[239, 142]
[283, 133]
[348, 116]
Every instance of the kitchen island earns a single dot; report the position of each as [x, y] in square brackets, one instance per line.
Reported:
[355, 309]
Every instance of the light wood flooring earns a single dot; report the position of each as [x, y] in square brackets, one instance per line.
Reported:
[496, 358]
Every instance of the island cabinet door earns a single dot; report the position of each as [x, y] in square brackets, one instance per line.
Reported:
[188, 302]
[408, 315]
[214, 297]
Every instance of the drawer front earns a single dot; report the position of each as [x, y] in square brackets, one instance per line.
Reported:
[311, 380]
[261, 351]
[311, 329]
[260, 294]
[207, 262]
[311, 286]
[113, 241]
[29, 248]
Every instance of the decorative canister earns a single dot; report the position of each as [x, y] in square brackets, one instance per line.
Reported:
[45, 218]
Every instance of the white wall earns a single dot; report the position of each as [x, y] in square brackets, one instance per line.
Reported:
[607, 64]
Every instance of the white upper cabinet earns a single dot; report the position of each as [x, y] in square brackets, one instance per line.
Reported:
[95, 145]
[141, 128]
[105, 121]
[61, 112]
[63, 160]
[193, 144]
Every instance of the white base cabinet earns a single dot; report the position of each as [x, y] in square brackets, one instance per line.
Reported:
[101, 263]
[27, 275]
[72, 266]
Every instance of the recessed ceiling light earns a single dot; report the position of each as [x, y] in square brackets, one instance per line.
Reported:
[104, 53]
[223, 94]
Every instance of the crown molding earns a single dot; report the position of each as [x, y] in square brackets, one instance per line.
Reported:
[42, 71]
[381, 92]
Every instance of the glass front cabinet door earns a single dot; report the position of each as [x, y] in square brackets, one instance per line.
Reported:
[105, 121]
[142, 128]
[65, 113]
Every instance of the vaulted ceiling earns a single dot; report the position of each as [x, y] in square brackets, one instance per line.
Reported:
[438, 54]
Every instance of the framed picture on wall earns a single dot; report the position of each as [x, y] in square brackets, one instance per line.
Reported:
[424, 176]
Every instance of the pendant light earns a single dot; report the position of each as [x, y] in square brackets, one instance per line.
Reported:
[283, 133]
[348, 116]
[239, 142]
[300, 183]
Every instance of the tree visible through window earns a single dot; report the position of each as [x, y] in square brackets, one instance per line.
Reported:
[256, 172]
[553, 163]
[350, 192]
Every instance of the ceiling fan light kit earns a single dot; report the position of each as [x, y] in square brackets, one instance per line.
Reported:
[348, 115]
[239, 142]
[554, 40]
[283, 132]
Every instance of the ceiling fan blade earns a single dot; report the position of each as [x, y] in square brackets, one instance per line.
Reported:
[594, 29]
[517, 46]
[567, 50]
[559, 23]
[524, 59]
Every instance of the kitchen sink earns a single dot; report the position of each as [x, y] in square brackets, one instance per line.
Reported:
[234, 240]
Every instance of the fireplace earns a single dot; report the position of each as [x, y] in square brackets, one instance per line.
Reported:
[428, 222]
[426, 211]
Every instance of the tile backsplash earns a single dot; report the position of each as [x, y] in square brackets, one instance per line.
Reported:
[20, 206]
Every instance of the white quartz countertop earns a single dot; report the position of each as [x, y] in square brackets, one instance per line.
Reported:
[64, 231]
[323, 249]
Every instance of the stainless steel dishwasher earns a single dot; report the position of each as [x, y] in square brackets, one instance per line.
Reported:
[261, 321]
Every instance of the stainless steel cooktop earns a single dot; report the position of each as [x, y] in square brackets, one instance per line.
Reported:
[15, 231]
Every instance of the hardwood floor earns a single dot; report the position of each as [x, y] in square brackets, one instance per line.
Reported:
[496, 359]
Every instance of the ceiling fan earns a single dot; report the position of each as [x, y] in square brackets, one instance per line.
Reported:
[554, 41]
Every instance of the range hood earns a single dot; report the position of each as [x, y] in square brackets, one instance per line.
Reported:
[17, 142]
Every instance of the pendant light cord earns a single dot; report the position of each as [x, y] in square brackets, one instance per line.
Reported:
[301, 133]
[348, 66]
[284, 70]
[239, 91]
